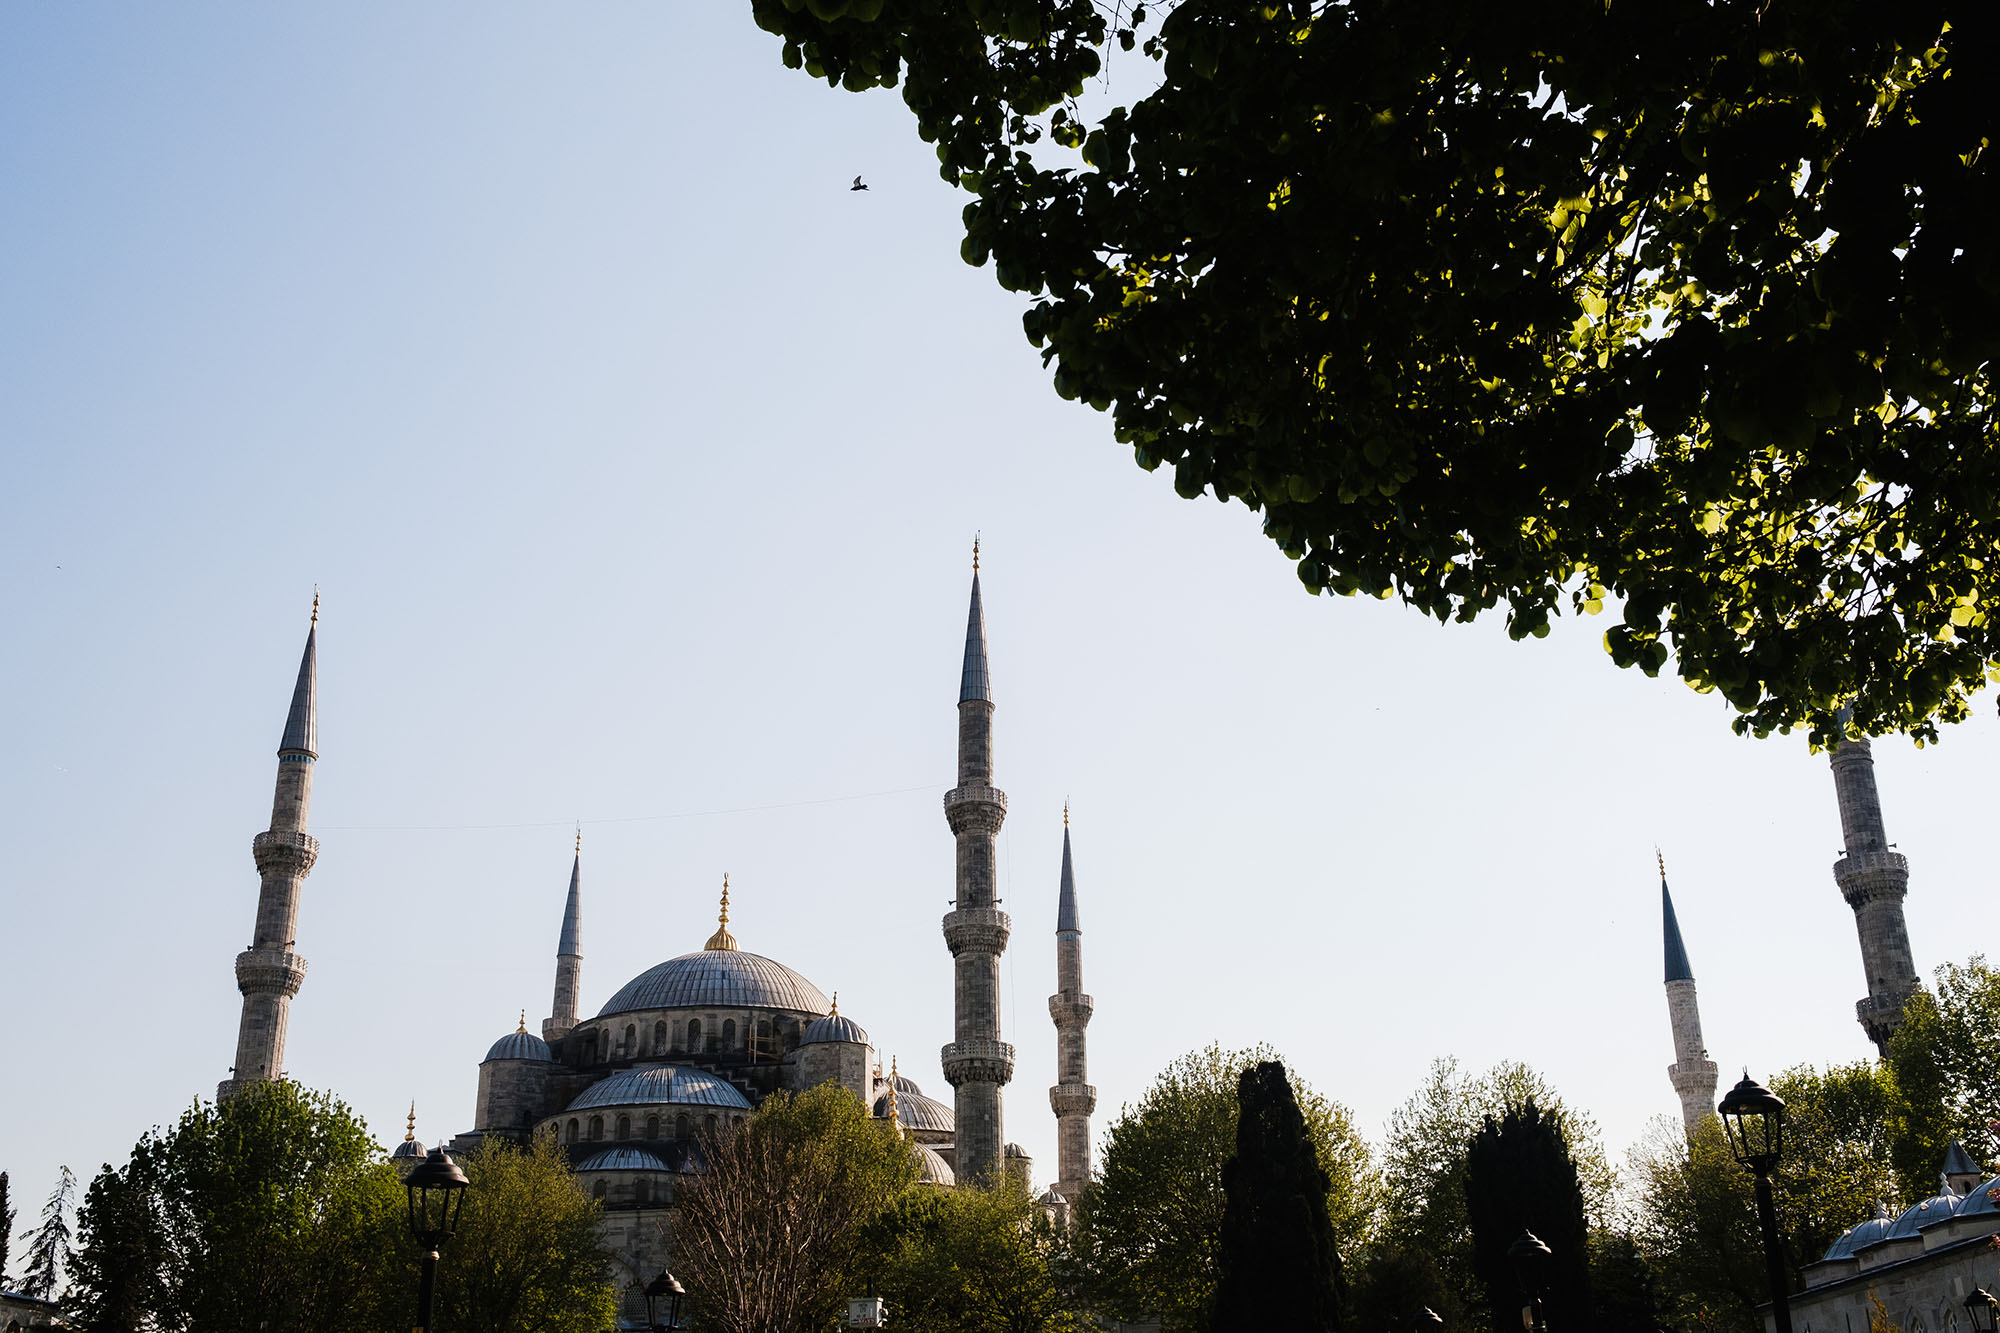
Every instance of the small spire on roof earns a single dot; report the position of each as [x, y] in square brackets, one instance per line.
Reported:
[835, 1012]
[895, 1116]
[722, 939]
[410, 1134]
[524, 1022]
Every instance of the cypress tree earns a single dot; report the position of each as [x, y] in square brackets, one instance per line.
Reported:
[6, 1226]
[1519, 1176]
[1278, 1268]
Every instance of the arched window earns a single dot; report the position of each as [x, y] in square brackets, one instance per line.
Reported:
[642, 1192]
[682, 1127]
[631, 1040]
[728, 1034]
[624, 1128]
[597, 1190]
[694, 1034]
[604, 1045]
[709, 1122]
[596, 1128]
[652, 1127]
[571, 1136]
[660, 1037]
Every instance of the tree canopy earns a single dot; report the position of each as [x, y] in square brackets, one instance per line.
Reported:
[1684, 307]
[971, 1260]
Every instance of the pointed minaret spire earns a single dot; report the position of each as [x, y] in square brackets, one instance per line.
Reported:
[1692, 1072]
[1874, 880]
[568, 1000]
[1072, 1098]
[269, 972]
[977, 1063]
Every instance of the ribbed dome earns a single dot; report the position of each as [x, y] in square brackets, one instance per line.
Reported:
[624, 1157]
[1855, 1238]
[718, 979]
[408, 1149]
[933, 1169]
[520, 1046]
[904, 1085]
[661, 1085]
[1938, 1208]
[917, 1111]
[834, 1027]
[1983, 1198]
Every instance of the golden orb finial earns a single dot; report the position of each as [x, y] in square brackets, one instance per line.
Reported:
[722, 939]
[1065, 812]
[975, 553]
[315, 619]
[1660, 856]
[835, 1011]
[579, 837]
[410, 1134]
[524, 1022]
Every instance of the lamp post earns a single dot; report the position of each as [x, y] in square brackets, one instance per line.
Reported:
[664, 1288]
[1755, 1119]
[1530, 1259]
[437, 1193]
[1983, 1309]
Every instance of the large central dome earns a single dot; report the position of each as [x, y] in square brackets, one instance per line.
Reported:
[718, 979]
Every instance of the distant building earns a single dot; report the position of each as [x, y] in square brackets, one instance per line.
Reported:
[20, 1312]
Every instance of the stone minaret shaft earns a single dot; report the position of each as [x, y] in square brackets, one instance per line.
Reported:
[569, 956]
[1692, 1072]
[1874, 880]
[269, 973]
[1072, 1098]
[976, 1063]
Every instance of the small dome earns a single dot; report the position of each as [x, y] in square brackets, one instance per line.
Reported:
[520, 1046]
[834, 1027]
[624, 1157]
[917, 1111]
[408, 1150]
[1855, 1238]
[662, 1085]
[933, 1169]
[1984, 1198]
[1938, 1208]
[904, 1085]
[1054, 1198]
[1015, 1150]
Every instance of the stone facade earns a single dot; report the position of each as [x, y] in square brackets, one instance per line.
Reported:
[1874, 880]
[270, 972]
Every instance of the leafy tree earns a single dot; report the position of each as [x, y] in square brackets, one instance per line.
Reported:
[1424, 1162]
[1946, 1062]
[769, 1234]
[1149, 1227]
[1624, 1294]
[970, 1260]
[121, 1254]
[1684, 304]
[1278, 1267]
[1519, 1176]
[527, 1257]
[49, 1254]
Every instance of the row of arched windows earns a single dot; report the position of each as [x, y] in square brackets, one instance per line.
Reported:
[678, 1039]
[591, 1130]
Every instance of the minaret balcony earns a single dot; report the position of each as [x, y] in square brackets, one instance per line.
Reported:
[270, 972]
[977, 930]
[284, 851]
[1068, 1099]
[977, 1060]
[1872, 877]
[976, 808]
[1071, 1011]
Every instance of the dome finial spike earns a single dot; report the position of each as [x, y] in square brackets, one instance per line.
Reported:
[1659, 856]
[722, 939]
[1065, 812]
[523, 1025]
[975, 553]
[315, 615]
[579, 837]
[410, 1134]
[835, 1011]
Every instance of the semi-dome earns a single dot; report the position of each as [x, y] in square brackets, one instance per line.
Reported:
[917, 1111]
[624, 1157]
[717, 978]
[662, 1085]
[521, 1045]
[933, 1169]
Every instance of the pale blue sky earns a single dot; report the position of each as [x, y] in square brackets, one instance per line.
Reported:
[638, 460]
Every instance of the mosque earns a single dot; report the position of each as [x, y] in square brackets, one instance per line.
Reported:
[691, 1045]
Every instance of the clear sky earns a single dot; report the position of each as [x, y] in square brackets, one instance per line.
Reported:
[638, 460]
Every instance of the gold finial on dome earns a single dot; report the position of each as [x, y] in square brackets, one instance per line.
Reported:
[722, 939]
[835, 1011]
[523, 1027]
[410, 1134]
[895, 1117]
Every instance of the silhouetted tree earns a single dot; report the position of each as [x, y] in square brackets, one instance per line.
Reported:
[6, 1226]
[48, 1244]
[1278, 1269]
[1623, 1295]
[1519, 1176]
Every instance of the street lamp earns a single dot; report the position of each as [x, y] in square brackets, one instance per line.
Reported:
[1530, 1259]
[664, 1288]
[437, 1194]
[1754, 1116]
[1983, 1309]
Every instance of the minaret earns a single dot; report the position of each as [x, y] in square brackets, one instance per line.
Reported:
[1071, 1098]
[1873, 879]
[269, 973]
[977, 1063]
[569, 955]
[1692, 1072]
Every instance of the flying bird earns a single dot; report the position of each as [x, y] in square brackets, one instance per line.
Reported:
[856, 186]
